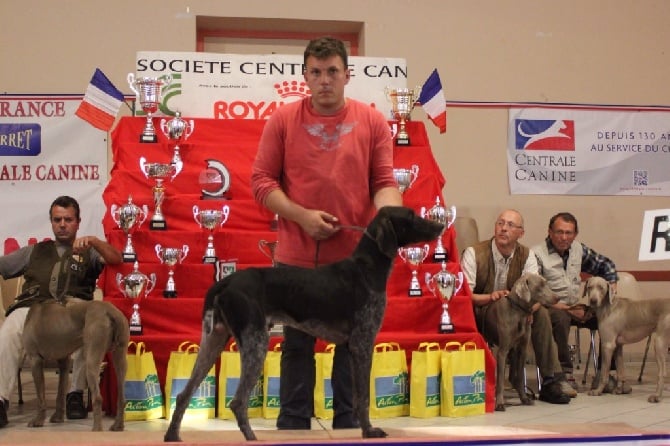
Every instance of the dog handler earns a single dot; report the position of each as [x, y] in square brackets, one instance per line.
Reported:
[323, 163]
[55, 269]
[491, 267]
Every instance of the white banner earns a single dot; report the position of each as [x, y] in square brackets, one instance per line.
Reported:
[655, 239]
[47, 151]
[241, 86]
[588, 152]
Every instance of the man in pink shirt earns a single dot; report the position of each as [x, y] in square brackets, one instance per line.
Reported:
[324, 164]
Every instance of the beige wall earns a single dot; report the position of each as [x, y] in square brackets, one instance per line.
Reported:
[581, 51]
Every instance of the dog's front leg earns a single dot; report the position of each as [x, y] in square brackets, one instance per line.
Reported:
[361, 365]
[517, 362]
[64, 367]
[38, 378]
[607, 348]
[660, 349]
[501, 359]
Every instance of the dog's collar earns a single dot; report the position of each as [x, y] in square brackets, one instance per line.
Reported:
[519, 306]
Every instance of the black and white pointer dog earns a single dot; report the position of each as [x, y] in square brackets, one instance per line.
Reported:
[343, 302]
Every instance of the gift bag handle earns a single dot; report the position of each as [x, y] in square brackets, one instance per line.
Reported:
[139, 347]
[429, 346]
[182, 347]
[386, 346]
[448, 345]
[330, 348]
[233, 347]
[469, 345]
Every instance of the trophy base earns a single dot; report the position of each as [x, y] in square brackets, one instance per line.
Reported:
[402, 142]
[414, 293]
[129, 258]
[439, 257]
[158, 225]
[446, 328]
[209, 259]
[169, 294]
[135, 330]
[148, 138]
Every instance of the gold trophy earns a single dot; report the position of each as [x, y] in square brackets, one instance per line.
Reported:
[148, 93]
[402, 102]
[414, 256]
[444, 216]
[444, 285]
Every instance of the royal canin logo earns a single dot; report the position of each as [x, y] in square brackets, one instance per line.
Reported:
[293, 90]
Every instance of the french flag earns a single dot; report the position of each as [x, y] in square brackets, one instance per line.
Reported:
[433, 102]
[101, 103]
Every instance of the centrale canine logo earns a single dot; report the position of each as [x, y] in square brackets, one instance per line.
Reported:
[544, 134]
[288, 89]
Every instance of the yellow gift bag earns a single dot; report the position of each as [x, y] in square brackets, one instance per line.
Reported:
[229, 379]
[180, 365]
[424, 384]
[463, 387]
[323, 389]
[144, 400]
[271, 369]
[389, 389]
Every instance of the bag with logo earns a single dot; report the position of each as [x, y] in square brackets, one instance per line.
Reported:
[389, 387]
[323, 389]
[424, 384]
[229, 379]
[180, 365]
[271, 370]
[463, 387]
[144, 400]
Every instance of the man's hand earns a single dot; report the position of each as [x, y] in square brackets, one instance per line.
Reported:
[319, 224]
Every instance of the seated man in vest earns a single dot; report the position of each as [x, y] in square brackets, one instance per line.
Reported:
[561, 260]
[491, 267]
[66, 267]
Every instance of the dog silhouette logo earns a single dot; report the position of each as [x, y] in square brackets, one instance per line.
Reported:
[544, 134]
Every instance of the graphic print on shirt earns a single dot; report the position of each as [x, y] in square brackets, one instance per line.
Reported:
[329, 140]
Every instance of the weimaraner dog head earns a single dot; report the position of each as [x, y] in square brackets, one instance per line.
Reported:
[598, 292]
[531, 287]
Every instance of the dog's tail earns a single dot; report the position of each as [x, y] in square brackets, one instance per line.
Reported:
[211, 310]
[121, 332]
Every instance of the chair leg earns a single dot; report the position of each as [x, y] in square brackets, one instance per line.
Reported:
[20, 387]
[644, 359]
[578, 348]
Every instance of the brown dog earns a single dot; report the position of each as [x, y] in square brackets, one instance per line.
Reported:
[623, 321]
[53, 331]
[506, 324]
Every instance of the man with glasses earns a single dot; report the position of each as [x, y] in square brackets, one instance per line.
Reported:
[491, 267]
[324, 163]
[561, 261]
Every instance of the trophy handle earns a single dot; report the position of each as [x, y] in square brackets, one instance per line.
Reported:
[177, 168]
[459, 282]
[143, 162]
[451, 216]
[429, 283]
[426, 250]
[112, 211]
[131, 83]
[167, 79]
[189, 128]
[184, 253]
[119, 279]
[402, 255]
[225, 210]
[423, 212]
[164, 127]
[196, 212]
[151, 280]
[145, 214]
[158, 248]
[414, 174]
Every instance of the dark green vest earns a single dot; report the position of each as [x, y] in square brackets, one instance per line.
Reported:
[486, 271]
[57, 276]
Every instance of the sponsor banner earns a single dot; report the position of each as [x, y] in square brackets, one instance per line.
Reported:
[241, 86]
[655, 239]
[47, 151]
[588, 152]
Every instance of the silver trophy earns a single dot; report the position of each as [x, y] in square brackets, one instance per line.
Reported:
[148, 93]
[210, 219]
[268, 248]
[158, 172]
[414, 256]
[135, 323]
[402, 102]
[128, 217]
[406, 177]
[177, 130]
[444, 216]
[444, 285]
[170, 257]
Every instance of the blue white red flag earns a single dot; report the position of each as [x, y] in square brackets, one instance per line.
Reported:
[433, 102]
[101, 103]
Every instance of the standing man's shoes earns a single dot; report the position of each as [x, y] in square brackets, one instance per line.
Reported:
[74, 406]
[4, 405]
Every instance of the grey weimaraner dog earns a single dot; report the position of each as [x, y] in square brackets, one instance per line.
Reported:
[53, 331]
[506, 324]
[342, 302]
[623, 321]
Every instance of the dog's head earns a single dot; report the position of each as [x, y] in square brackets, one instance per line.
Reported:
[598, 292]
[396, 226]
[531, 288]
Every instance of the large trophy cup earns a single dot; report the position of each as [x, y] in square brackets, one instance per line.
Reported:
[210, 219]
[128, 217]
[158, 172]
[444, 216]
[170, 257]
[177, 130]
[135, 285]
[444, 285]
[148, 93]
[402, 102]
[406, 177]
[414, 256]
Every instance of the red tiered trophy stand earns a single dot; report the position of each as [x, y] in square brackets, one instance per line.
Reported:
[167, 322]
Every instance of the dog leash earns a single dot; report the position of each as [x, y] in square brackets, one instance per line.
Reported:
[350, 227]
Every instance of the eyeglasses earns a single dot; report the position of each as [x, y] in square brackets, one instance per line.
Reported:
[509, 224]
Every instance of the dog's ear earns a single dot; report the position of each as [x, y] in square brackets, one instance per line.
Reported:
[385, 237]
[611, 293]
[522, 289]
